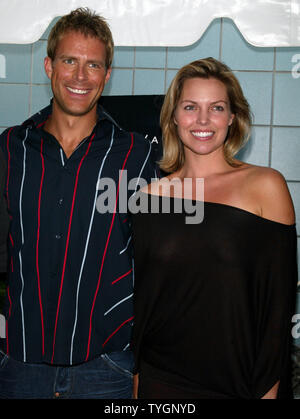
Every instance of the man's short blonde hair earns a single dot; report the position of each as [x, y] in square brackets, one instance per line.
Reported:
[86, 22]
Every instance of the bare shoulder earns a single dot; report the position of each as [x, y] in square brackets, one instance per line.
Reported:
[152, 188]
[161, 186]
[270, 189]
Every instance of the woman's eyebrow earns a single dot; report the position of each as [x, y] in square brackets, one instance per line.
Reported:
[215, 101]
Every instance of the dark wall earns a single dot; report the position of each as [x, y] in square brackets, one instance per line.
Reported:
[137, 113]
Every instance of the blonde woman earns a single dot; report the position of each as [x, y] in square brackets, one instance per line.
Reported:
[213, 300]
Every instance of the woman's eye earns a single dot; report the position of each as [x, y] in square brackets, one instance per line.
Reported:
[189, 107]
[218, 108]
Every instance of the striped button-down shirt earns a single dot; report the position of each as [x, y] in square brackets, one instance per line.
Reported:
[70, 289]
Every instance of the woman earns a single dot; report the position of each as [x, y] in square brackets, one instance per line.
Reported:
[213, 300]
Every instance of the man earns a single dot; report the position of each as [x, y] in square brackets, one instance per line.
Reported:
[69, 315]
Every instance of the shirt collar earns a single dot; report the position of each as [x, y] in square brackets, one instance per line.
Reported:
[103, 114]
[42, 116]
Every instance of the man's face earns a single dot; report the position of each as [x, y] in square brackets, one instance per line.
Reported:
[78, 73]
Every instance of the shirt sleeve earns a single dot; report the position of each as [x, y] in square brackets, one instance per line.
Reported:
[276, 296]
[4, 219]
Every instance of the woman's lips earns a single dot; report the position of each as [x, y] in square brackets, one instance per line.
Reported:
[202, 135]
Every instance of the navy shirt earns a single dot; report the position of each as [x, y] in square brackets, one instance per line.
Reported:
[4, 219]
[70, 288]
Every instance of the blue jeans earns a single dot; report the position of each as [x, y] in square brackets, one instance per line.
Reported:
[107, 377]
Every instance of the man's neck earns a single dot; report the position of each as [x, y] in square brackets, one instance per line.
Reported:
[70, 130]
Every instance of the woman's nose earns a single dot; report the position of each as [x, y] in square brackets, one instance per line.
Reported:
[202, 116]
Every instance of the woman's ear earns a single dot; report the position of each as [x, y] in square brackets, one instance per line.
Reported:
[231, 119]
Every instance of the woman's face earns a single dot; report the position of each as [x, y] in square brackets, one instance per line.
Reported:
[203, 115]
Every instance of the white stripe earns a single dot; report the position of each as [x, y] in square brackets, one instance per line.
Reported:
[62, 157]
[22, 308]
[87, 242]
[112, 119]
[132, 272]
[116, 305]
[20, 256]
[125, 248]
[144, 164]
[80, 144]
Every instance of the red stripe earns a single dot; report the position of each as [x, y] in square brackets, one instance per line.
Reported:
[8, 165]
[42, 123]
[106, 246]
[11, 239]
[120, 277]
[11, 259]
[37, 245]
[68, 238]
[121, 325]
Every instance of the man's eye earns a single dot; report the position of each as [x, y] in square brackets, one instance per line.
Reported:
[68, 61]
[94, 65]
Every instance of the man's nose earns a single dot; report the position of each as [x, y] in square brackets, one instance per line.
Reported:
[80, 72]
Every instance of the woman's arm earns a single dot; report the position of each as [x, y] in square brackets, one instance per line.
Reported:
[275, 199]
[278, 294]
[135, 386]
[272, 394]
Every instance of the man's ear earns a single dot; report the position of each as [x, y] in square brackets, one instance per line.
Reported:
[107, 76]
[48, 66]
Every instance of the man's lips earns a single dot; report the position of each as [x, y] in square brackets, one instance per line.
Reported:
[77, 91]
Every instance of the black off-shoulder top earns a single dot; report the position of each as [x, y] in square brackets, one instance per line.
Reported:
[214, 300]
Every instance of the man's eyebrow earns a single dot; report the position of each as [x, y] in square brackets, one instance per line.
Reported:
[97, 61]
[71, 57]
[62, 56]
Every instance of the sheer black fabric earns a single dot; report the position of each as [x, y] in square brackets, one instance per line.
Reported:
[213, 302]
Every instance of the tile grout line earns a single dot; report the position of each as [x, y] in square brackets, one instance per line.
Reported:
[166, 70]
[31, 82]
[272, 108]
[133, 71]
[155, 69]
[221, 39]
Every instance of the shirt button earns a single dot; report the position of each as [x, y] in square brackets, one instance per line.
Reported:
[58, 236]
[60, 201]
